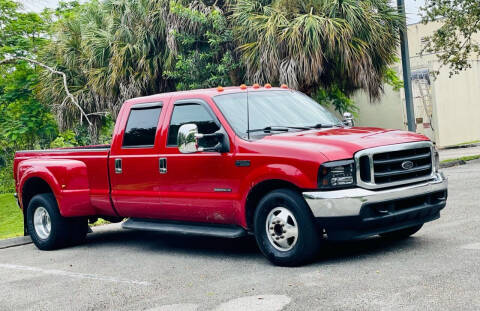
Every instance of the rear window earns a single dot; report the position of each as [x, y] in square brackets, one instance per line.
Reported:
[141, 127]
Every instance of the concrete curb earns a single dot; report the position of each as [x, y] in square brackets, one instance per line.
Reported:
[452, 163]
[22, 240]
[461, 146]
[458, 162]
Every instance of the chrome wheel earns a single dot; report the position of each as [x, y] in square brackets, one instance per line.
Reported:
[282, 229]
[42, 223]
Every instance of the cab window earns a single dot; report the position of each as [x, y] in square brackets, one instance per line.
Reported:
[141, 127]
[192, 113]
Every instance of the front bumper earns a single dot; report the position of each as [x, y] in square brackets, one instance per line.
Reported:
[358, 213]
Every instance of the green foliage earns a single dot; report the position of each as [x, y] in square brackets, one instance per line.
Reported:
[204, 56]
[310, 44]
[64, 140]
[336, 98]
[111, 51]
[20, 33]
[106, 131]
[456, 41]
[391, 78]
[81, 137]
[25, 122]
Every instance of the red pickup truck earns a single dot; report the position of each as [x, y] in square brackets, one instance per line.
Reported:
[229, 162]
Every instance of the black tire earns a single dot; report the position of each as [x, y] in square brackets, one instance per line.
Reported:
[78, 230]
[63, 231]
[402, 234]
[308, 240]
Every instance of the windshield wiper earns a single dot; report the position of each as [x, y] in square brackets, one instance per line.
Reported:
[323, 126]
[275, 128]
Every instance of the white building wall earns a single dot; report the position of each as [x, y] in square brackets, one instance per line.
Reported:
[386, 112]
[455, 100]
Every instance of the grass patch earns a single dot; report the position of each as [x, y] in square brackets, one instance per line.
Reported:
[11, 218]
[466, 158]
[99, 222]
[468, 143]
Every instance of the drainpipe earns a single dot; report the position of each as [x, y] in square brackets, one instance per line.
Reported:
[407, 80]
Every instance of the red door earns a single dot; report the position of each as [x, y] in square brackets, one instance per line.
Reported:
[198, 186]
[134, 162]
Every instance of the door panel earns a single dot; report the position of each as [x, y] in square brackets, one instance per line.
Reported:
[198, 186]
[135, 191]
[135, 187]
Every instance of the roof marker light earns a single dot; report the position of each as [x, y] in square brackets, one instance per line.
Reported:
[284, 86]
[243, 87]
[268, 86]
[256, 86]
[220, 88]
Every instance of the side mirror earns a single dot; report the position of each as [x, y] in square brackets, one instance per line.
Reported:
[188, 136]
[348, 119]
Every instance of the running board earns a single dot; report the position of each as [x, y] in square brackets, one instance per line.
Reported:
[188, 228]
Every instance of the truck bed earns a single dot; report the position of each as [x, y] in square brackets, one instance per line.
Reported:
[83, 167]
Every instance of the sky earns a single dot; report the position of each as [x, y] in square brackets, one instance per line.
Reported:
[411, 7]
[413, 11]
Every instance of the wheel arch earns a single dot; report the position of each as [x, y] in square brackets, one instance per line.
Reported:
[67, 180]
[32, 187]
[257, 192]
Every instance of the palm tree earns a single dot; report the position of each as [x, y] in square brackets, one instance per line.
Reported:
[111, 51]
[317, 43]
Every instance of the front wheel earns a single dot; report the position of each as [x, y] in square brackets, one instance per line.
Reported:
[285, 229]
[403, 233]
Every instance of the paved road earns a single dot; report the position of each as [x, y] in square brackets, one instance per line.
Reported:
[437, 269]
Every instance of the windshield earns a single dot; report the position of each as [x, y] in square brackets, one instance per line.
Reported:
[274, 109]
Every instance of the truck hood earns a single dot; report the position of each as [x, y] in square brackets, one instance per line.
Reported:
[342, 143]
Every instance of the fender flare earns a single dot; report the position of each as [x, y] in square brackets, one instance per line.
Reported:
[280, 172]
[68, 180]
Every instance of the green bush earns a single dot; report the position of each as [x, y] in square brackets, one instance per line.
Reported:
[64, 140]
[336, 98]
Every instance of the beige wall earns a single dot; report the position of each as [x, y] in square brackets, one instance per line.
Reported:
[386, 112]
[455, 101]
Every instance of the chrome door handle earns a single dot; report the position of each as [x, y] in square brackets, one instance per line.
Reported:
[118, 166]
[162, 165]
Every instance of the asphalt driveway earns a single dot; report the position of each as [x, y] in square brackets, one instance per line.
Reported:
[437, 269]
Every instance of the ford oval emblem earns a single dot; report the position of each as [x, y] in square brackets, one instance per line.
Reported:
[407, 165]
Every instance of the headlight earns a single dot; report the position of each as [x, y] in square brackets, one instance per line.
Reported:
[336, 174]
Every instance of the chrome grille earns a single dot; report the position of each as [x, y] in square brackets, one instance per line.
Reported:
[393, 165]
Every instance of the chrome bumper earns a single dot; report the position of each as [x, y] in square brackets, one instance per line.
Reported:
[348, 202]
